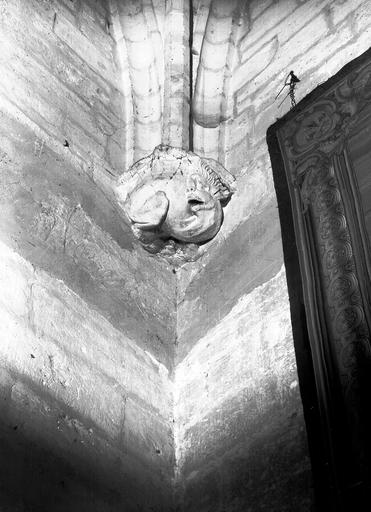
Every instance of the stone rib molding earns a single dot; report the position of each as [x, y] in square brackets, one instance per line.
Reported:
[210, 101]
[175, 130]
[144, 75]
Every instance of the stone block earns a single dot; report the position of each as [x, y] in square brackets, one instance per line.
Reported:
[116, 150]
[62, 117]
[246, 348]
[203, 492]
[85, 49]
[16, 277]
[339, 10]
[55, 358]
[61, 445]
[86, 404]
[289, 50]
[257, 7]
[254, 246]
[93, 23]
[267, 22]
[243, 456]
[45, 224]
[148, 436]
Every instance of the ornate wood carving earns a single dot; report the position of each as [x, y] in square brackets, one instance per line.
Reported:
[334, 258]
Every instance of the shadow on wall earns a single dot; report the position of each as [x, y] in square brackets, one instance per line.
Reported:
[248, 455]
[53, 463]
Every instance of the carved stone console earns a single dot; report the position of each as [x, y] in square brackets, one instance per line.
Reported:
[320, 166]
[174, 201]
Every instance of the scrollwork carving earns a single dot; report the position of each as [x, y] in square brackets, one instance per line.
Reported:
[311, 142]
[325, 124]
[340, 284]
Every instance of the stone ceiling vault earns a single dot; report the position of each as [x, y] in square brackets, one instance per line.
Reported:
[176, 72]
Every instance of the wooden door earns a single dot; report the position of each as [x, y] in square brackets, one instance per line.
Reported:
[321, 158]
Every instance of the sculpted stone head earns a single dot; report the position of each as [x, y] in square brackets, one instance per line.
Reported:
[174, 197]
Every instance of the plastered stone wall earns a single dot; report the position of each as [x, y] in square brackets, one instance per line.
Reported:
[85, 413]
[244, 446]
[91, 321]
[87, 320]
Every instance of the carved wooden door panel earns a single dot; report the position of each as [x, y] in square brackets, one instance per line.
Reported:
[321, 156]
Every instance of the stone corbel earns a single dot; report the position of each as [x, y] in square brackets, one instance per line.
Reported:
[174, 201]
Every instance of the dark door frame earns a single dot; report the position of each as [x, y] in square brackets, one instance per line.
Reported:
[307, 148]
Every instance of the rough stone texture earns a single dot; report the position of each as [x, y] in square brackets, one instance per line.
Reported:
[153, 56]
[215, 288]
[242, 445]
[87, 321]
[78, 428]
[211, 105]
[64, 82]
[223, 448]
[177, 70]
[89, 324]
[315, 38]
[60, 221]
